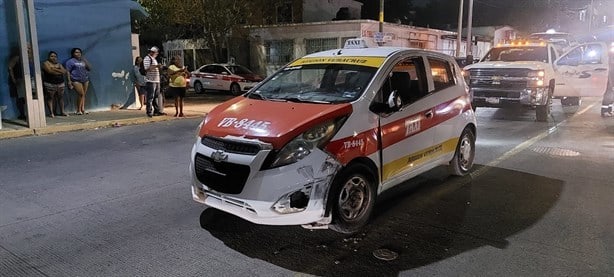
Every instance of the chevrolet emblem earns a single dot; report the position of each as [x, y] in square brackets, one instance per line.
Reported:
[219, 156]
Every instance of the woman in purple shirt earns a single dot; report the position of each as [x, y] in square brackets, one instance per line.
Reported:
[78, 77]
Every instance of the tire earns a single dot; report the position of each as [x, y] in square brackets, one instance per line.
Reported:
[198, 87]
[464, 155]
[352, 199]
[542, 112]
[235, 89]
[571, 101]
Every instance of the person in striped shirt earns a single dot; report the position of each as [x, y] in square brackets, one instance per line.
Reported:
[155, 101]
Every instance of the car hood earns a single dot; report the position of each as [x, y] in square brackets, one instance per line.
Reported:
[495, 65]
[268, 121]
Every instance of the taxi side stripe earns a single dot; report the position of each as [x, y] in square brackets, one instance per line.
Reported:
[365, 143]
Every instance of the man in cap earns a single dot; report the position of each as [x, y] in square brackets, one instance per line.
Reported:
[155, 102]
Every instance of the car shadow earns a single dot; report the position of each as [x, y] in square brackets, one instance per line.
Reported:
[513, 113]
[522, 113]
[425, 220]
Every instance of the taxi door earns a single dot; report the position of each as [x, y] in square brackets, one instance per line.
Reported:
[407, 134]
[207, 76]
[582, 71]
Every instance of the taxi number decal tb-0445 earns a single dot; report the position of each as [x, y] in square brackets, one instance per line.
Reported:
[353, 143]
[244, 123]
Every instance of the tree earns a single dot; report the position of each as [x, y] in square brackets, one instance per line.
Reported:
[211, 20]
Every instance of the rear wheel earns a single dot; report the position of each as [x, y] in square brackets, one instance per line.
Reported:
[235, 89]
[353, 197]
[570, 101]
[198, 87]
[465, 153]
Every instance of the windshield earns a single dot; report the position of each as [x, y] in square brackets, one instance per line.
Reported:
[239, 69]
[316, 83]
[515, 54]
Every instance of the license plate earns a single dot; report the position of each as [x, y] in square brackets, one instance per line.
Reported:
[492, 100]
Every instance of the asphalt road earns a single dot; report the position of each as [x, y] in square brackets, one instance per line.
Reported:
[116, 202]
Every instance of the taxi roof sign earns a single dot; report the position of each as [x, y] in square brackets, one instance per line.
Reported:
[356, 43]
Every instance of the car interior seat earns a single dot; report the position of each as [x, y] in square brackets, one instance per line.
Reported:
[401, 82]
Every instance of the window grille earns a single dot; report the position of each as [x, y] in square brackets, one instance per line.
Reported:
[279, 52]
[320, 44]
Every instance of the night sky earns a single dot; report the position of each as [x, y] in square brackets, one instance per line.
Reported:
[525, 15]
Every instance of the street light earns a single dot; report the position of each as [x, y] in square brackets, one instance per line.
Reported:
[381, 16]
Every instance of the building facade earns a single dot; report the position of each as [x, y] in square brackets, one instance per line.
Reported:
[273, 46]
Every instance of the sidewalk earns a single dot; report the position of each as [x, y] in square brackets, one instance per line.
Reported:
[195, 106]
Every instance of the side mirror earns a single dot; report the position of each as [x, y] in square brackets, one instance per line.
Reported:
[394, 101]
[392, 104]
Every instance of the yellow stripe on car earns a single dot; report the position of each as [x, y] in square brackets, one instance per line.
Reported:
[365, 61]
[417, 158]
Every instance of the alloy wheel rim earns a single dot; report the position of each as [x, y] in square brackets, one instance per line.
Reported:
[353, 198]
[465, 153]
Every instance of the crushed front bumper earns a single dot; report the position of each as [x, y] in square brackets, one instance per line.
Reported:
[294, 194]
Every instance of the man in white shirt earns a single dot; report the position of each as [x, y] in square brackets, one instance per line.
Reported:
[155, 101]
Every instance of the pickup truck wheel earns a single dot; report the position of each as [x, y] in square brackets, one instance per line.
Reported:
[352, 199]
[542, 112]
[462, 161]
[570, 101]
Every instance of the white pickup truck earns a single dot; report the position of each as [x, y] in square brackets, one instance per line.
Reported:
[532, 74]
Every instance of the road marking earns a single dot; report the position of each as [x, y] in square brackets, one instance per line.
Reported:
[526, 144]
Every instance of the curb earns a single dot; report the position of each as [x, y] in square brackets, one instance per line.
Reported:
[86, 126]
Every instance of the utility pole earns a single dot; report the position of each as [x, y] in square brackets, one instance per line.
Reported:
[469, 40]
[590, 17]
[459, 35]
[381, 16]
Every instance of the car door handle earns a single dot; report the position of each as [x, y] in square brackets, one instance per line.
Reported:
[429, 114]
[601, 69]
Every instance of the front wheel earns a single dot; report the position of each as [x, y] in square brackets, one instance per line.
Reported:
[353, 197]
[464, 155]
[235, 89]
[542, 112]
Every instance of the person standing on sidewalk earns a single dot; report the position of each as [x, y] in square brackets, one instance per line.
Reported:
[178, 74]
[155, 103]
[139, 81]
[78, 78]
[53, 83]
[17, 82]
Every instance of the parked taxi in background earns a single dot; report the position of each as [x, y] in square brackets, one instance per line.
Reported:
[228, 77]
[318, 141]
